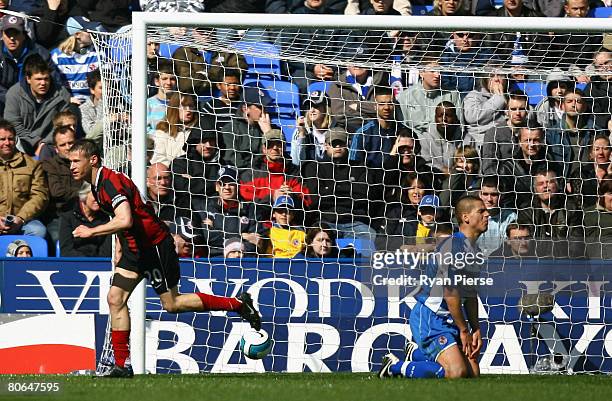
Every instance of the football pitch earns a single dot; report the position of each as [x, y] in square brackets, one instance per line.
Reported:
[309, 386]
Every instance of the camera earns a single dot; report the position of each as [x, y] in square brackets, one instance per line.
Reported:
[9, 220]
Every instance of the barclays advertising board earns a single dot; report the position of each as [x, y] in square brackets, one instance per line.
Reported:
[328, 316]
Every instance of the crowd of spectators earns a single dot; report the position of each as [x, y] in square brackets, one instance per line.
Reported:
[375, 159]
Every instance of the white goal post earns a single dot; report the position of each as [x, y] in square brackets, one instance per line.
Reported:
[143, 21]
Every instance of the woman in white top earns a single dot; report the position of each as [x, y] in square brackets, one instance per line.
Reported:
[172, 132]
[308, 141]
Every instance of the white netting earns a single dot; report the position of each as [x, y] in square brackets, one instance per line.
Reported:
[405, 139]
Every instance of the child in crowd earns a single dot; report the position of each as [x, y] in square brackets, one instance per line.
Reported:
[19, 249]
[165, 81]
[92, 109]
[427, 215]
[285, 240]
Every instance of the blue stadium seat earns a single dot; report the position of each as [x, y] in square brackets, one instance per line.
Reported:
[421, 10]
[38, 245]
[536, 90]
[166, 50]
[286, 97]
[601, 12]
[319, 86]
[57, 249]
[265, 63]
[362, 247]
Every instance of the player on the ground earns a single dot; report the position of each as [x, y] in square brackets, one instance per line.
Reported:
[147, 250]
[448, 340]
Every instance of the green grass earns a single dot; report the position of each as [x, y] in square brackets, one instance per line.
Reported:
[308, 386]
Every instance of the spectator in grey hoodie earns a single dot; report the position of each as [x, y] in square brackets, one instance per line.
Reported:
[92, 110]
[486, 107]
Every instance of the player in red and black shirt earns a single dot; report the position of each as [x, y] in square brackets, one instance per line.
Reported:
[147, 250]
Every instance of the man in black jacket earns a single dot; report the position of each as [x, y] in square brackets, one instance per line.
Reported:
[225, 217]
[195, 173]
[555, 218]
[345, 193]
[85, 212]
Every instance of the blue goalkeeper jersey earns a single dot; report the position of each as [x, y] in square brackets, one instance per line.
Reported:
[455, 263]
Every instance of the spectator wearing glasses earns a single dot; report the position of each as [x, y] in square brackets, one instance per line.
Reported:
[308, 140]
[518, 242]
[405, 159]
[464, 49]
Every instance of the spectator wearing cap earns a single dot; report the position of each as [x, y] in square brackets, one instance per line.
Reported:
[74, 58]
[172, 132]
[500, 140]
[233, 249]
[600, 89]
[84, 212]
[271, 176]
[284, 239]
[403, 160]
[429, 215]
[32, 103]
[187, 242]
[18, 249]
[499, 217]
[242, 137]
[308, 140]
[443, 138]
[160, 194]
[195, 173]
[548, 110]
[16, 48]
[346, 194]
[376, 138]
[419, 102]
[224, 107]
[352, 96]
[223, 217]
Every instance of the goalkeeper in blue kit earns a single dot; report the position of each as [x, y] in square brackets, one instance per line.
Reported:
[444, 322]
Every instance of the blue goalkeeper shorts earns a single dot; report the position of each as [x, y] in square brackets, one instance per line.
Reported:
[431, 332]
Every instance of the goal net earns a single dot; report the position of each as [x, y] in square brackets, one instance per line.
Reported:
[370, 130]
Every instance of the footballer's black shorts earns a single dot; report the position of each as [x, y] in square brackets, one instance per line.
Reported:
[159, 264]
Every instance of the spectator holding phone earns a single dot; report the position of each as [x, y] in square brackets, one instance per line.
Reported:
[308, 141]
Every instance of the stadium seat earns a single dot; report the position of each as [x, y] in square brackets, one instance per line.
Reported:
[166, 50]
[260, 64]
[38, 245]
[536, 90]
[421, 10]
[319, 86]
[286, 97]
[601, 12]
[362, 248]
[57, 249]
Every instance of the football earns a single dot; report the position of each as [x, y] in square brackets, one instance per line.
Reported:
[255, 344]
